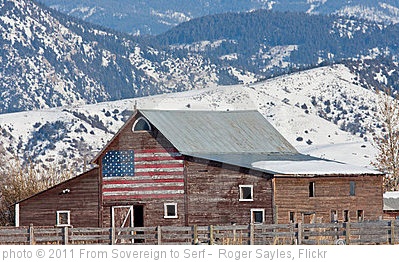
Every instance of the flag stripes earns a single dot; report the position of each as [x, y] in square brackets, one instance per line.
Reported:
[156, 173]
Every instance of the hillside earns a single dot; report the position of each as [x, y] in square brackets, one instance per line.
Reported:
[50, 60]
[320, 111]
[155, 17]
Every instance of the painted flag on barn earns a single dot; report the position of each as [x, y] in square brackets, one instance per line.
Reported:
[118, 163]
[152, 173]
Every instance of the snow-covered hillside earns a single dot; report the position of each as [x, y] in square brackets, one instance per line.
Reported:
[313, 109]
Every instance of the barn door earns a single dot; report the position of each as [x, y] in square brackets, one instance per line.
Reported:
[122, 217]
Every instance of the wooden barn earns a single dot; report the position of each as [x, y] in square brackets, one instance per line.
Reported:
[171, 167]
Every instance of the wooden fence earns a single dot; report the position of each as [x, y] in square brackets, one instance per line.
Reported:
[378, 232]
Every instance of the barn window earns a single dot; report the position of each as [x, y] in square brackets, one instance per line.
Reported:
[352, 188]
[334, 216]
[246, 192]
[63, 218]
[141, 124]
[312, 191]
[346, 215]
[170, 210]
[257, 216]
[360, 215]
[292, 217]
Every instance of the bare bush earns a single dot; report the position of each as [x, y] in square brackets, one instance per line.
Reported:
[20, 181]
[387, 143]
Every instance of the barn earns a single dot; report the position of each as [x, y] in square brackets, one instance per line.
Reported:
[187, 167]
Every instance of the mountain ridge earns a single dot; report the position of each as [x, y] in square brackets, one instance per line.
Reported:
[155, 17]
[49, 59]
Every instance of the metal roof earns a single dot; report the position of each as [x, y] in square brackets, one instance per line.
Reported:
[241, 138]
[391, 201]
[217, 132]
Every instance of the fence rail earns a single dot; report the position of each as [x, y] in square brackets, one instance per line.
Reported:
[378, 232]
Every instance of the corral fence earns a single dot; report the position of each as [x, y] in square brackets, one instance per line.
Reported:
[376, 232]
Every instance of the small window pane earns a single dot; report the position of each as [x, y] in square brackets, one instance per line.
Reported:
[258, 215]
[334, 216]
[352, 190]
[346, 215]
[292, 217]
[311, 189]
[246, 193]
[360, 215]
[170, 210]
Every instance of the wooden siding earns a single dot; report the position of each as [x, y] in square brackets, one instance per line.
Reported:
[145, 142]
[331, 193]
[391, 215]
[82, 201]
[213, 193]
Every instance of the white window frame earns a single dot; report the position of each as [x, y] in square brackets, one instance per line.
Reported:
[257, 210]
[241, 192]
[165, 207]
[58, 217]
[17, 215]
[138, 120]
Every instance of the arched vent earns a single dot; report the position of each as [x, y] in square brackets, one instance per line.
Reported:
[141, 124]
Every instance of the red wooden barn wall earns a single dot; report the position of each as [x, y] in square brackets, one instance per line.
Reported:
[82, 201]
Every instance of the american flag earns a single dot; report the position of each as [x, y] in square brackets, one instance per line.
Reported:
[151, 173]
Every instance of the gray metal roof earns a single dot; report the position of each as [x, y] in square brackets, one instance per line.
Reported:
[216, 132]
[241, 138]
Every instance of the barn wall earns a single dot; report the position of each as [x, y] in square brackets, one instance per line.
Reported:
[81, 201]
[150, 143]
[331, 193]
[391, 215]
[213, 193]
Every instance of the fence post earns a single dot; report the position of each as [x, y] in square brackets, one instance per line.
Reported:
[66, 232]
[251, 234]
[159, 235]
[299, 236]
[113, 235]
[211, 240]
[347, 233]
[392, 232]
[31, 235]
[195, 236]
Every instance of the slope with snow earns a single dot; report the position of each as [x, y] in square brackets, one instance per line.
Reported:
[312, 109]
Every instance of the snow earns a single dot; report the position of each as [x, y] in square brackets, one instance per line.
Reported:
[312, 167]
[279, 100]
[392, 194]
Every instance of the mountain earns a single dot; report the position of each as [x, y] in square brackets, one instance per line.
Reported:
[323, 112]
[267, 44]
[157, 16]
[49, 59]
